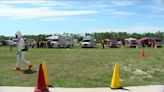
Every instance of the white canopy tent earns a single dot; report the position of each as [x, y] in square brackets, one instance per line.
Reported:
[51, 37]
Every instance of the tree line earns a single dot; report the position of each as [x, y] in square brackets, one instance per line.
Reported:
[97, 35]
[122, 35]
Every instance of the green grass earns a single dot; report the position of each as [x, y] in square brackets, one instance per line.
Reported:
[91, 67]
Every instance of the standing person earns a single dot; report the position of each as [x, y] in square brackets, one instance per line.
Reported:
[102, 42]
[20, 51]
[48, 43]
[37, 44]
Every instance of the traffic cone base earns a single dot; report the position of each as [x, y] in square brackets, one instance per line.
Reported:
[41, 90]
[117, 88]
[41, 86]
[116, 78]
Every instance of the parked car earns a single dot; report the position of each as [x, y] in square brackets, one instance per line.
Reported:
[150, 41]
[106, 41]
[158, 42]
[131, 42]
[112, 43]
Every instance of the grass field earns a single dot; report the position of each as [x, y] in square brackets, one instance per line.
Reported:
[91, 67]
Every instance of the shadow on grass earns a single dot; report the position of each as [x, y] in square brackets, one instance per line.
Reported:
[29, 71]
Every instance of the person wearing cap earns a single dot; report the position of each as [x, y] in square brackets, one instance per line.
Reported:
[20, 52]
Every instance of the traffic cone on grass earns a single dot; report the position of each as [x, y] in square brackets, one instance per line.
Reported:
[142, 53]
[45, 73]
[116, 78]
[41, 85]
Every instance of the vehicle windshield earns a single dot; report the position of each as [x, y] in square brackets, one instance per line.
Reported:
[133, 40]
[14, 40]
[86, 40]
[158, 40]
[55, 39]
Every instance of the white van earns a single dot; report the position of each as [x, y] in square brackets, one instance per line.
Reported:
[69, 41]
[88, 41]
[58, 41]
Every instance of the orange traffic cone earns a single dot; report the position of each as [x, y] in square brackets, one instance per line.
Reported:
[41, 85]
[142, 53]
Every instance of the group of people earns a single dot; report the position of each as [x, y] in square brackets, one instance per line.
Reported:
[40, 44]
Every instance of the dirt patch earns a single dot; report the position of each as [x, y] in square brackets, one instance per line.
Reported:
[153, 70]
[143, 73]
[127, 67]
[139, 72]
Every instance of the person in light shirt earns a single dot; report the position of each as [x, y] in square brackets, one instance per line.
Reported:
[20, 52]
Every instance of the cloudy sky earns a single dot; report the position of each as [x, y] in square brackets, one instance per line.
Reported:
[80, 16]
